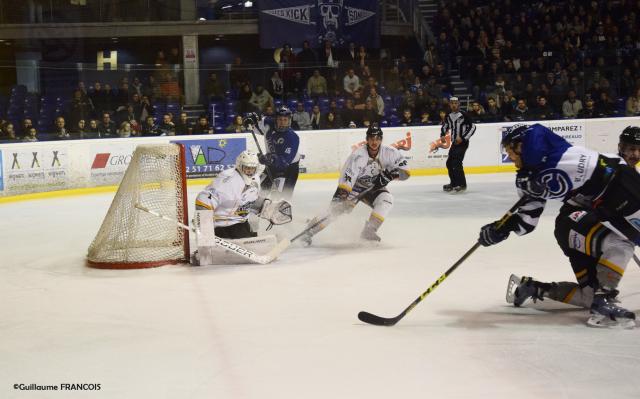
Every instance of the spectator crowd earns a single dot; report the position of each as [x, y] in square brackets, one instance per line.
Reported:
[519, 61]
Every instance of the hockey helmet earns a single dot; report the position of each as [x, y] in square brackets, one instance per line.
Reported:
[630, 135]
[514, 135]
[248, 165]
[374, 131]
[283, 124]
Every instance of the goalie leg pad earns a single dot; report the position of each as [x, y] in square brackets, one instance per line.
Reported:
[205, 236]
[217, 255]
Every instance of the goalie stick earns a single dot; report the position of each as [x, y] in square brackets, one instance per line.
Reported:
[235, 248]
[370, 318]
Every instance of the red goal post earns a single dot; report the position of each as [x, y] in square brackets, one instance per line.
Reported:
[131, 239]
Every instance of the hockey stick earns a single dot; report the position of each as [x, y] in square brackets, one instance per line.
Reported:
[391, 321]
[635, 258]
[235, 248]
[329, 216]
[266, 169]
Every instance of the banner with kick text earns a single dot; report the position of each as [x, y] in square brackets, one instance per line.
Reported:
[338, 21]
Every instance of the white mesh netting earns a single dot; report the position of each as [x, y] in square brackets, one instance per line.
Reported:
[131, 238]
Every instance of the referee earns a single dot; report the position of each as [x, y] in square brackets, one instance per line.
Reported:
[461, 128]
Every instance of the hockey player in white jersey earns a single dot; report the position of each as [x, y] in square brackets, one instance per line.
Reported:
[222, 212]
[364, 177]
[235, 193]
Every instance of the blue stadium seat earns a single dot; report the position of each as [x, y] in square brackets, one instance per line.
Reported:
[292, 104]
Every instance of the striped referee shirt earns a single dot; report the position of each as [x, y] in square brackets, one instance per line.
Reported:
[459, 124]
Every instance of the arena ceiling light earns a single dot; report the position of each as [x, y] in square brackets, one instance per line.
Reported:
[248, 4]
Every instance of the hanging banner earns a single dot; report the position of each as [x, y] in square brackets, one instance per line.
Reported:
[338, 21]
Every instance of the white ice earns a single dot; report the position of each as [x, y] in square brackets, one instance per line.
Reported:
[289, 329]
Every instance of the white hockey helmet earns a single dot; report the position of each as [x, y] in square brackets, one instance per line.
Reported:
[248, 166]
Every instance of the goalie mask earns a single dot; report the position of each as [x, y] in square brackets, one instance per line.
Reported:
[248, 166]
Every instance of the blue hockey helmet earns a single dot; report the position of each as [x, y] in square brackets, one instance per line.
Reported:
[283, 119]
[515, 134]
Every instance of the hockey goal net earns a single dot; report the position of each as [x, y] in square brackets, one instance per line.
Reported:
[132, 239]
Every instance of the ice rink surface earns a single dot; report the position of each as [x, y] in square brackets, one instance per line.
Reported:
[289, 329]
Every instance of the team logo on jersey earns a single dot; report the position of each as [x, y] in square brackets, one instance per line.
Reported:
[557, 182]
[576, 241]
[576, 216]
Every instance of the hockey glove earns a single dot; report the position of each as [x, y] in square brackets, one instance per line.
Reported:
[527, 182]
[491, 235]
[340, 202]
[265, 159]
[250, 120]
[384, 178]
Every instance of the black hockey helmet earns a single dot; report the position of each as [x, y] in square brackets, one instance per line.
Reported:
[280, 112]
[630, 135]
[374, 130]
[514, 135]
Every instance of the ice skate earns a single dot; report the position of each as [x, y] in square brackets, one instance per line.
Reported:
[459, 189]
[370, 235]
[370, 229]
[521, 289]
[605, 313]
[447, 188]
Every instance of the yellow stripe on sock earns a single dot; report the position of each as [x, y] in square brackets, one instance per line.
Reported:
[589, 236]
[570, 295]
[375, 215]
[581, 273]
[611, 266]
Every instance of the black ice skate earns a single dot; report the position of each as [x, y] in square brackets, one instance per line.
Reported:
[521, 289]
[458, 189]
[447, 188]
[605, 312]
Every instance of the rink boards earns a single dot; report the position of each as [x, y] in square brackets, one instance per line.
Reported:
[98, 165]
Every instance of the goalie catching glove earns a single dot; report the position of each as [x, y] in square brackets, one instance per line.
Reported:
[276, 213]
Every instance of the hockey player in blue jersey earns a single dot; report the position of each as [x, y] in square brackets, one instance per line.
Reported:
[597, 227]
[282, 156]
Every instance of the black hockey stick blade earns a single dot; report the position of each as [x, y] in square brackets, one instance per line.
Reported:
[370, 318]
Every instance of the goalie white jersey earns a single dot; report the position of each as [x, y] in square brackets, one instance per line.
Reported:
[229, 197]
[360, 170]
